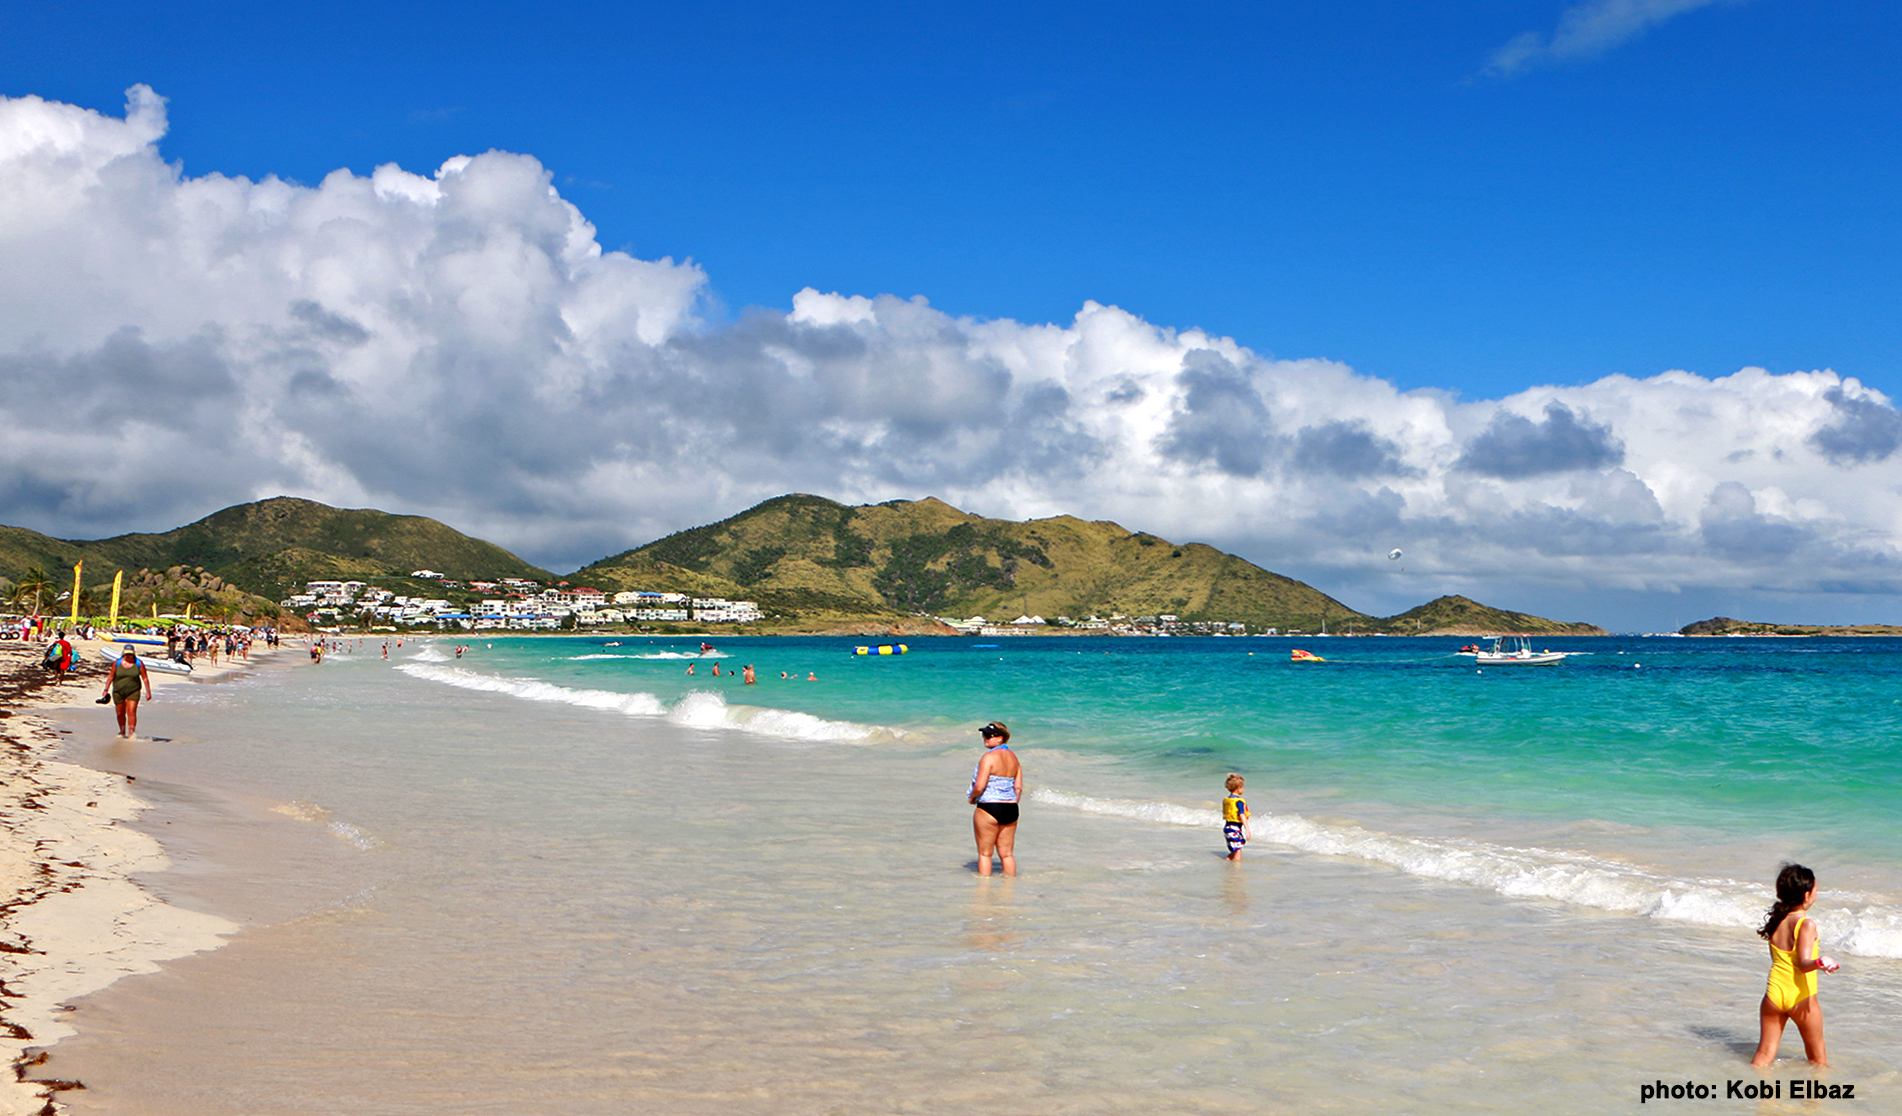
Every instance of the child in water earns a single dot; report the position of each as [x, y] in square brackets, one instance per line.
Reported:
[1794, 960]
[1235, 828]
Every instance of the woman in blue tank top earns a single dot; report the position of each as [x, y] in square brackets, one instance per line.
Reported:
[997, 785]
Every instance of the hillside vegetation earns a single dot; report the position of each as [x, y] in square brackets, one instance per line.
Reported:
[262, 552]
[811, 563]
[1725, 626]
[799, 554]
[1462, 616]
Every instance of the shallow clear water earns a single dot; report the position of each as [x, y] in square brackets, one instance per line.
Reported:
[558, 874]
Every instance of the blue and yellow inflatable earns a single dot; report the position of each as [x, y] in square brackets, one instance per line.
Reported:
[886, 649]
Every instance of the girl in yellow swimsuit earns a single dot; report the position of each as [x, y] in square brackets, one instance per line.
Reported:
[1794, 961]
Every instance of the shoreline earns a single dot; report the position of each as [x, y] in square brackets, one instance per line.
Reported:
[72, 920]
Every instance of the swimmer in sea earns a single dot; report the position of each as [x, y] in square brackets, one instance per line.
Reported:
[997, 785]
[689, 668]
[1794, 960]
[748, 674]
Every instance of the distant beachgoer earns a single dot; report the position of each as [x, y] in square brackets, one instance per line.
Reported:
[783, 674]
[748, 674]
[689, 668]
[812, 676]
[1790, 996]
[716, 670]
[997, 785]
[1235, 828]
[59, 656]
[122, 689]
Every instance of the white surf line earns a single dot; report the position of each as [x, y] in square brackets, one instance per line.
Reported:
[1858, 924]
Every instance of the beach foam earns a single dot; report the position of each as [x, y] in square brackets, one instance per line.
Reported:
[699, 709]
[714, 654]
[530, 689]
[1858, 924]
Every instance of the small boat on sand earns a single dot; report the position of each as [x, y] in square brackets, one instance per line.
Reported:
[149, 662]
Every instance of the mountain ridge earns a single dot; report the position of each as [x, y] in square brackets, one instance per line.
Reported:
[812, 563]
[912, 557]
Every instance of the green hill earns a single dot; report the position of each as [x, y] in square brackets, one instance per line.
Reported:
[810, 562]
[273, 546]
[800, 555]
[266, 550]
[1461, 616]
[1724, 626]
[21, 550]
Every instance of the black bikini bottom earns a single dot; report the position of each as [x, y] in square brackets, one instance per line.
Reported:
[1004, 812]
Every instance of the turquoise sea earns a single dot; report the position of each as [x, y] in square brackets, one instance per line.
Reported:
[562, 867]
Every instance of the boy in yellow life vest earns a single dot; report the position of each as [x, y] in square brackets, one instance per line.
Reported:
[1235, 828]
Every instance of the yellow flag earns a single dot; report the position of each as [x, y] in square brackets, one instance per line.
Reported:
[74, 619]
[118, 579]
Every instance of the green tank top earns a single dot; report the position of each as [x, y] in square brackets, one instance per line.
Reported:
[125, 680]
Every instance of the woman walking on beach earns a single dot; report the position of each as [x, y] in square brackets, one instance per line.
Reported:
[1794, 961]
[128, 675]
[997, 785]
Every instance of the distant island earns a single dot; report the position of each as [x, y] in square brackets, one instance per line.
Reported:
[792, 564]
[1725, 626]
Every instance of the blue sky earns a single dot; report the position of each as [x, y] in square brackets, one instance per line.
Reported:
[1589, 306]
[1342, 180]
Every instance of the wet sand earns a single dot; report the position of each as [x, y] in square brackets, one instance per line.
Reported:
[72, 921]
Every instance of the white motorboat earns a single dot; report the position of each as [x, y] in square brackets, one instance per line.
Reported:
[1515, 651]
[163, 666]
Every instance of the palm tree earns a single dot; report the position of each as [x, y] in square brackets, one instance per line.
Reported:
[33, 584]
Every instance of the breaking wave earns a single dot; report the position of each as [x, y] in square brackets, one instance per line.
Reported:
[699, 709]
[1860, 925]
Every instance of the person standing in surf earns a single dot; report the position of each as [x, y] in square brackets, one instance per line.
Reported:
[997, 785]
[122, 689]
[1235, 828]
[1794, 960]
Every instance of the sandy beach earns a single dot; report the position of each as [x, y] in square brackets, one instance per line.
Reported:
[72, 920]
[444, 883]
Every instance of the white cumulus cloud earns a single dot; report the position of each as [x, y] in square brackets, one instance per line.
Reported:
[458, 345]
[1587, 29]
